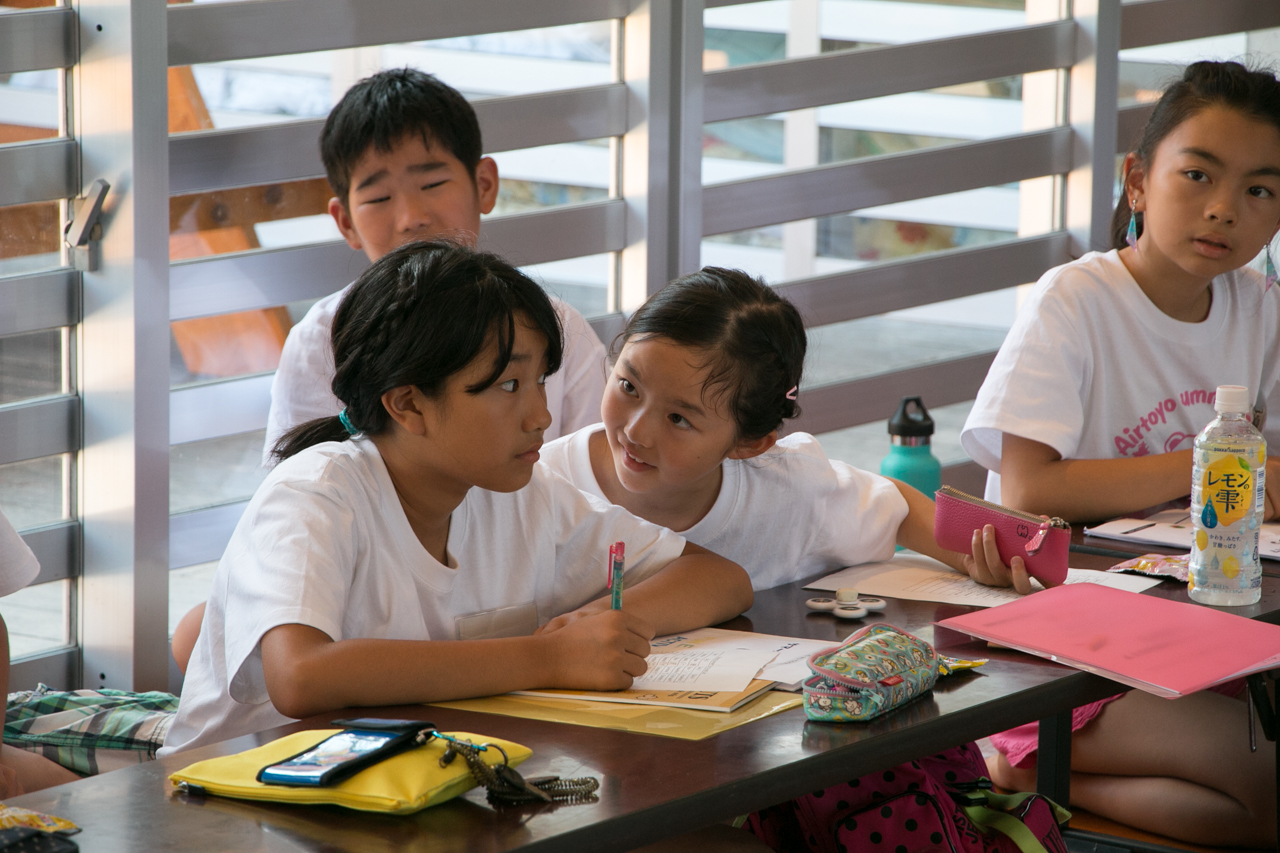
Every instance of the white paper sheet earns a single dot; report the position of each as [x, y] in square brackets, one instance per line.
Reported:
[918, 578]
[1172, 529]
[789, 667]
[709, 671]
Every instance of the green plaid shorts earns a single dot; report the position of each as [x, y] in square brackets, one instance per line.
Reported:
[89, 731]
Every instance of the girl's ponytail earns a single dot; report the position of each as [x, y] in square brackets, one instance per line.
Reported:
[1255, 93]
[417, 316]
[305, 435]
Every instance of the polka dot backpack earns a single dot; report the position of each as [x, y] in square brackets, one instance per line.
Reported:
[939, 804]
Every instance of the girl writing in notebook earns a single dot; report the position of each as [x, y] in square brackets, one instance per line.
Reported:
[705, 374]
[408, 549]
[1093, 402]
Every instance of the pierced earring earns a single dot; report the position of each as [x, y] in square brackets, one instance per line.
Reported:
[1269, 270]
[1131, 236]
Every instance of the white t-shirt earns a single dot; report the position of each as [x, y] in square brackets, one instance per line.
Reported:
[301, 389]
[1095, 370]
[325, 543]
[787, 514]
[18, 566]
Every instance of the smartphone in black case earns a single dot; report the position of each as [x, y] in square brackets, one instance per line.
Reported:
[339, 756]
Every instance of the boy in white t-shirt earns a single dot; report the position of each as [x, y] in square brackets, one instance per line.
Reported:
[402, 153]
[408, 550]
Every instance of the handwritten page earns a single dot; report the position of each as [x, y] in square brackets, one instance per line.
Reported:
[712, 670]
[1172, 529]
[915, 577]
[789, 667]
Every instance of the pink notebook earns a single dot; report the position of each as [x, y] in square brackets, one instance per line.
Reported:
[1168, 648]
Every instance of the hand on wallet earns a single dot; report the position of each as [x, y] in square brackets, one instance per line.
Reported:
[985, 567]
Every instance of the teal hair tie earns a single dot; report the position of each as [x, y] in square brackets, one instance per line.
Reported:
[346, 423]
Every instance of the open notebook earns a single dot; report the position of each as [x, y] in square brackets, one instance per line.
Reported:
[1172, 529]
[1168, 648]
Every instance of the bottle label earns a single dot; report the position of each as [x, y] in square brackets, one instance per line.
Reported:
[1226, 487]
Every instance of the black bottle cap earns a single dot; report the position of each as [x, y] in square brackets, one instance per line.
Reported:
[915, 424]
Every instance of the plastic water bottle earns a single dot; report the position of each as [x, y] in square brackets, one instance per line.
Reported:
[910, 458]
[1228, 496]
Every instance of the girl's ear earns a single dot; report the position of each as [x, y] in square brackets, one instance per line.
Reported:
[408, 408]
[1134, 178]
[750, 449]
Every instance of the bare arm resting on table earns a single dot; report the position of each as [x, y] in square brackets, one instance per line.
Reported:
[1035, 478]
[307, 672]
[983, 565]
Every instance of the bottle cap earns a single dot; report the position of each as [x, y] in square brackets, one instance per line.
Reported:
[915, 424]
[1232, 398]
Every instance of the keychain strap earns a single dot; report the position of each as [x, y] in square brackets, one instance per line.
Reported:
[504, 783]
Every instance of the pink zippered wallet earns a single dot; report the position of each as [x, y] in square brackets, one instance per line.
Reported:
[1041, 542]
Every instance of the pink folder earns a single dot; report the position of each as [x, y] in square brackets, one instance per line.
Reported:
[1164, 647]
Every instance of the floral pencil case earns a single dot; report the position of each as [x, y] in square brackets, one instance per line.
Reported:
[877, 669]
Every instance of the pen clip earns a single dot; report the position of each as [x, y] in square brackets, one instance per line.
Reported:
[608, 570]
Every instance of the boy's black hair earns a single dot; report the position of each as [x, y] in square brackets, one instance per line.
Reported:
[381, 110]
[753, 339]
[1256, 94]
[417, 316]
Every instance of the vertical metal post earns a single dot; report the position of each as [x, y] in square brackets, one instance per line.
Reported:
[1053, 759]
[1091, 110]
[801, 141]
[662, 149]
[121, 120]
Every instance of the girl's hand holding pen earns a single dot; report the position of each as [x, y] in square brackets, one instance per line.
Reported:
[600, 650]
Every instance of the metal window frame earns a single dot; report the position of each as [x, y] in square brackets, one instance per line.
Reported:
[854, 75]
[37, 39]
[218, 159]
[45, 300]
[36, 428]
[241, 281]
[215, 32]
[842, 187]
[46, 170]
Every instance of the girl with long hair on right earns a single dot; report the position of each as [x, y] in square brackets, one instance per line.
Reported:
[1092, 404]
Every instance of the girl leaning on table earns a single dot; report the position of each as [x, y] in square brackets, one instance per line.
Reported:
[1093, 402]
[410, 550]
[705, 374]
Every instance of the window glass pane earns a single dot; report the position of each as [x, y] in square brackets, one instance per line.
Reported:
[188, 587]
[225, 346]
[582, 282]
[748, 148]
[756, 32]
[29, 238]
[550, 175]
[272, 89]
[847, 241]
[34, 492]
[215, 471]
[236, 220]
[866, 445]
[31, 365]
[840, 352]
[28, 105]
[37, 618]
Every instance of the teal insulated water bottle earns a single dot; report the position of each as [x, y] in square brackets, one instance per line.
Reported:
[910, 458]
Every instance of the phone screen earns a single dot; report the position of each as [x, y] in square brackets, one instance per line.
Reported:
[333, 751]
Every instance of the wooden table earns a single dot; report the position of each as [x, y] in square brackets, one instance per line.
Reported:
[651, 787]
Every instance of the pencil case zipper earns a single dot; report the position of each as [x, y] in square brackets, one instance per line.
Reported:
[1045, 525]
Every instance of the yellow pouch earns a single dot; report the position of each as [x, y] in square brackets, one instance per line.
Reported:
[404, 783]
